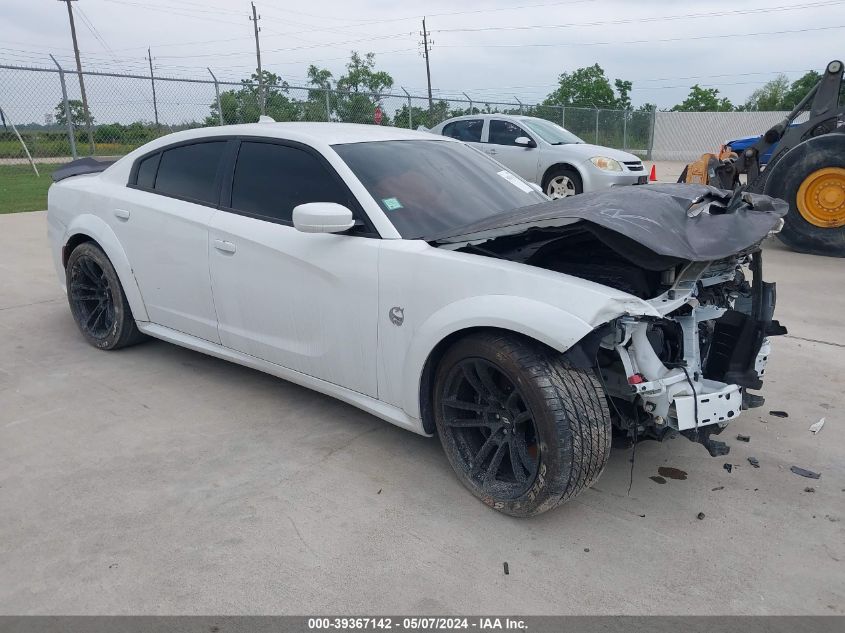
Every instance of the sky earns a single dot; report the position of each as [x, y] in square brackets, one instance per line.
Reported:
[489, 49]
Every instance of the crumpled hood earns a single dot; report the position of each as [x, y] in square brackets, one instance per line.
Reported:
[689, 222]
[586, 151]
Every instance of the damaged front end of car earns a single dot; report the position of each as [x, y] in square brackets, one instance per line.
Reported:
[691, 371]
[691, 254]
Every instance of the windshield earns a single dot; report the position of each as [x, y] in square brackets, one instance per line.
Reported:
[550, 132]
[428, 187]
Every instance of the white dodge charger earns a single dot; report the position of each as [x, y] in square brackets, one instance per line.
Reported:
[415, 278]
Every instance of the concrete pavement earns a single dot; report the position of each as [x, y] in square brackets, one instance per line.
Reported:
[157, 480]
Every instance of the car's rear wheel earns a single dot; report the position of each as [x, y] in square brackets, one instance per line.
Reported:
[523, 430]
[97, 300]
[562, 183]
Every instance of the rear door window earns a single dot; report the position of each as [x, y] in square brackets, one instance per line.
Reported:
[190, 171]
[468, 131]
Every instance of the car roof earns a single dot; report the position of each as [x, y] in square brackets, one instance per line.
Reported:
[492, 115]
[317, 133]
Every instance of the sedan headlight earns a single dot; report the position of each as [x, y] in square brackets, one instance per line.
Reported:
[606, 164]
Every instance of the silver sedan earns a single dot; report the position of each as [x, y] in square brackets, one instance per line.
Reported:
[544, 153]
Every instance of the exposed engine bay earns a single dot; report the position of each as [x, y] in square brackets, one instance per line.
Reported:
[690, 369]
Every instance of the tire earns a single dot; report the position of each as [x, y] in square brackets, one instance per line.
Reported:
[561, 179]
[545, 436]
[804, 165]
[97, 300]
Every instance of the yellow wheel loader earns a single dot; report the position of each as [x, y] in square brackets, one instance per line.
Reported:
[806, 168]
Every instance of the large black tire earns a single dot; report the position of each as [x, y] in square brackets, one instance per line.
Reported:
[785, 181]
[544, 425]
[567, 176]
[97, 300]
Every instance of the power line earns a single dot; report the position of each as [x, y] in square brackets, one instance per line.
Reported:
[96, 33]
[449, 13]
[289, 49]
[314, 28]
[685, 16]
[192, 14]
[649, 41]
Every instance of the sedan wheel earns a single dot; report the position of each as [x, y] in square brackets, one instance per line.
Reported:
[560, 187]
[488, 421]
[522, 429]
[97, 301]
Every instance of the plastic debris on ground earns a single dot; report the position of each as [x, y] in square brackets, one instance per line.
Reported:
[815, 428]
[803, 472]
[743, 438]
[779, 414]
[754, 462]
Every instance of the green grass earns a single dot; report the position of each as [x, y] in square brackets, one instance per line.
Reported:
[22, 190]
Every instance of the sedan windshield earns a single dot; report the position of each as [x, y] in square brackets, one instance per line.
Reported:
[550, 132]
[428, 187]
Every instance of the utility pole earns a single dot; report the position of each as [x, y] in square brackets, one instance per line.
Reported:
[87, 114]
[153, 80]
[255, 19]
[426, 43]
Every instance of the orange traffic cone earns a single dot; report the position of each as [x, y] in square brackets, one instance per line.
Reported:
[653, 175]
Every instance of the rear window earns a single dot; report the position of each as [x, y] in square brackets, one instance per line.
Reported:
[190, 171]
[147, 171]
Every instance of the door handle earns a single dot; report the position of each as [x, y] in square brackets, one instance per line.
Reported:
[224, 247]
[491, 151]
[121, 214]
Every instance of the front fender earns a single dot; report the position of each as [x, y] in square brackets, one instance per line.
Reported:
[540, 321]
[95, 228]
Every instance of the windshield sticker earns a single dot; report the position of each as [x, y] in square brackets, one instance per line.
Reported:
[516, 182]
[391, 204]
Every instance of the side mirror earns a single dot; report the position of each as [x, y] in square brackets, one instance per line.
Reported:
[322, 217]
[524, 141]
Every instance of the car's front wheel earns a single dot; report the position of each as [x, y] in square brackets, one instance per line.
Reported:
[523, 430]
[97, 300]
[562, 183]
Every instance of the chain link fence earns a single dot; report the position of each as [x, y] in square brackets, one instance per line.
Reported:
[125, 111]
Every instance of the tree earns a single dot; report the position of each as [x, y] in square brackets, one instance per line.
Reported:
[624, 89]
[77, 113]
[353, 105]
[353, 98]
[319, 77]
[362, 76]
[314, 109]
[770, 96]
[589, 88]
[704, 100]
[242, 105]
[799, 88]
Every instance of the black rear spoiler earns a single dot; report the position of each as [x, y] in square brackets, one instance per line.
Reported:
[81, 166]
